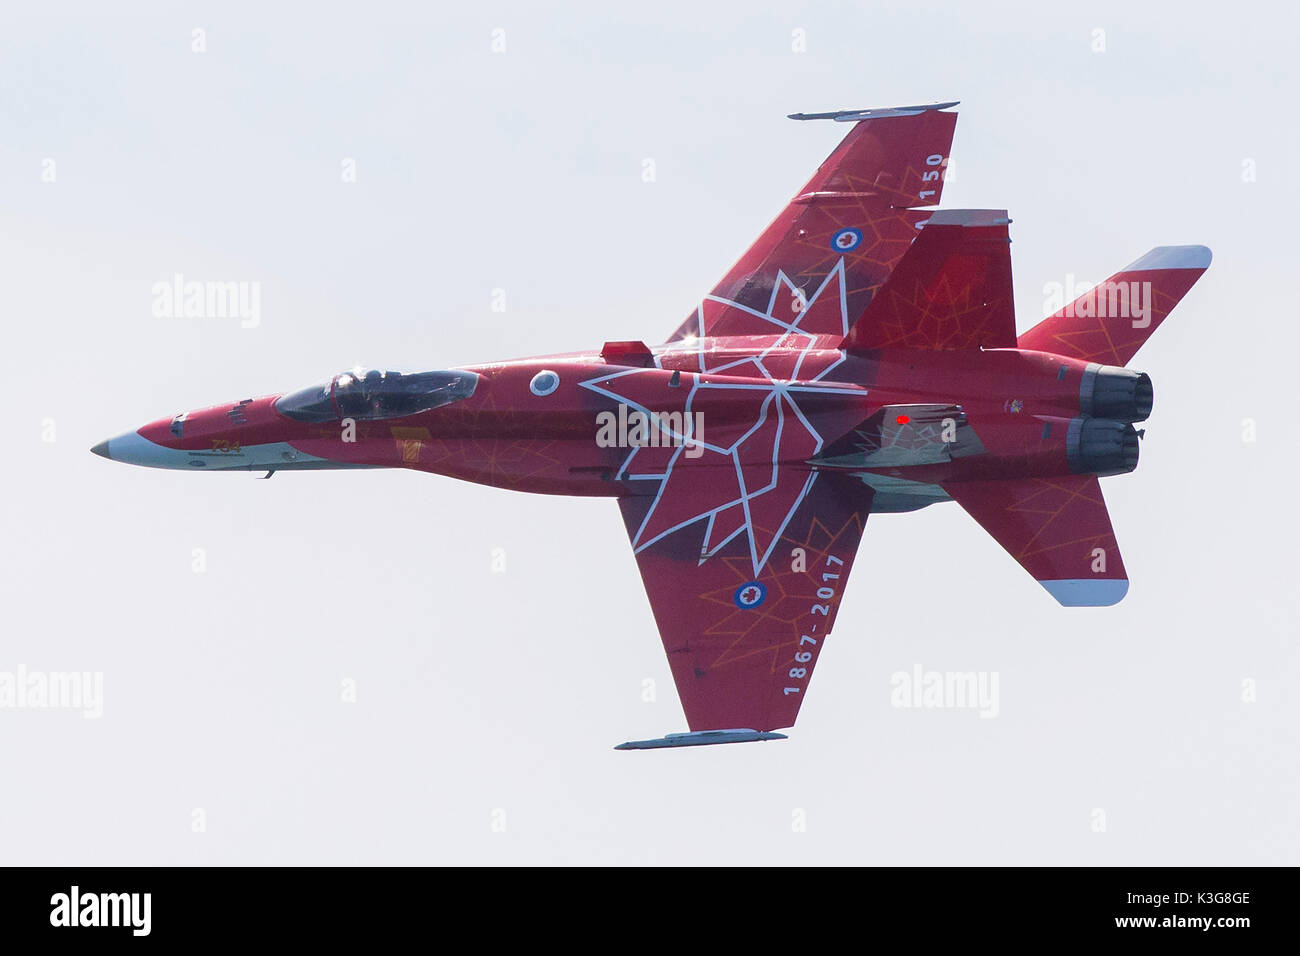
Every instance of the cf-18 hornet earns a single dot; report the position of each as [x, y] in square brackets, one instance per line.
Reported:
[860, 358]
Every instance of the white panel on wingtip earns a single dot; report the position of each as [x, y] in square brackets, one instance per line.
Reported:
[1087, 592]
[1172, 257]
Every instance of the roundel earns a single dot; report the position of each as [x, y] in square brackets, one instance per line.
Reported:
[750, 595]
[846, 240]
[544, 382]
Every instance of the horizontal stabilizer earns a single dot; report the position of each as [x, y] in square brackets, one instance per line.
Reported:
[701, 738]
[1057, 528]
[1110, 322]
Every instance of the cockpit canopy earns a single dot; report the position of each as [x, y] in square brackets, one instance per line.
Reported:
[371, 394]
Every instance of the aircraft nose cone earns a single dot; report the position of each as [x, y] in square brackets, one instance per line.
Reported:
[134, 449]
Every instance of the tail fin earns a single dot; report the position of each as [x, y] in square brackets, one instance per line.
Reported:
[951, 290]
[1110, 322]
[1057, 528]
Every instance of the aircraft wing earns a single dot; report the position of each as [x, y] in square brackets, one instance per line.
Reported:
[841, 235]
[742, 641]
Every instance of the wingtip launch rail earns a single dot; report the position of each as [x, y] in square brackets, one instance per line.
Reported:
[701, 738]
[853, 116]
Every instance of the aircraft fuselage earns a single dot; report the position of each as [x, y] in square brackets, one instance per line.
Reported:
[1019, 403]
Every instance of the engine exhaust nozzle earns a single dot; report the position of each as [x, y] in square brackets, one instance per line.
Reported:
[1101, 446]
[1121, 394]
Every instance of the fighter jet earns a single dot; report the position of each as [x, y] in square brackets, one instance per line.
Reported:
[860, 358]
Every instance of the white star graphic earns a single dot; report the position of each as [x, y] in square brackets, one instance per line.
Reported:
[745, 471]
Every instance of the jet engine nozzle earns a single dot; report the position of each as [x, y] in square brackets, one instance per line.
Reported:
[1101, 446]
[1107, 391]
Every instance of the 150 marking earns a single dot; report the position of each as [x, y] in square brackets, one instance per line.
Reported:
[931, 175]
[803, 658]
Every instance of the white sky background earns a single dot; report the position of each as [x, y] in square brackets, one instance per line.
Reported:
[522, 171]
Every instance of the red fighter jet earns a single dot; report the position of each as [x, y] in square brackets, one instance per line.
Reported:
[860, 358]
